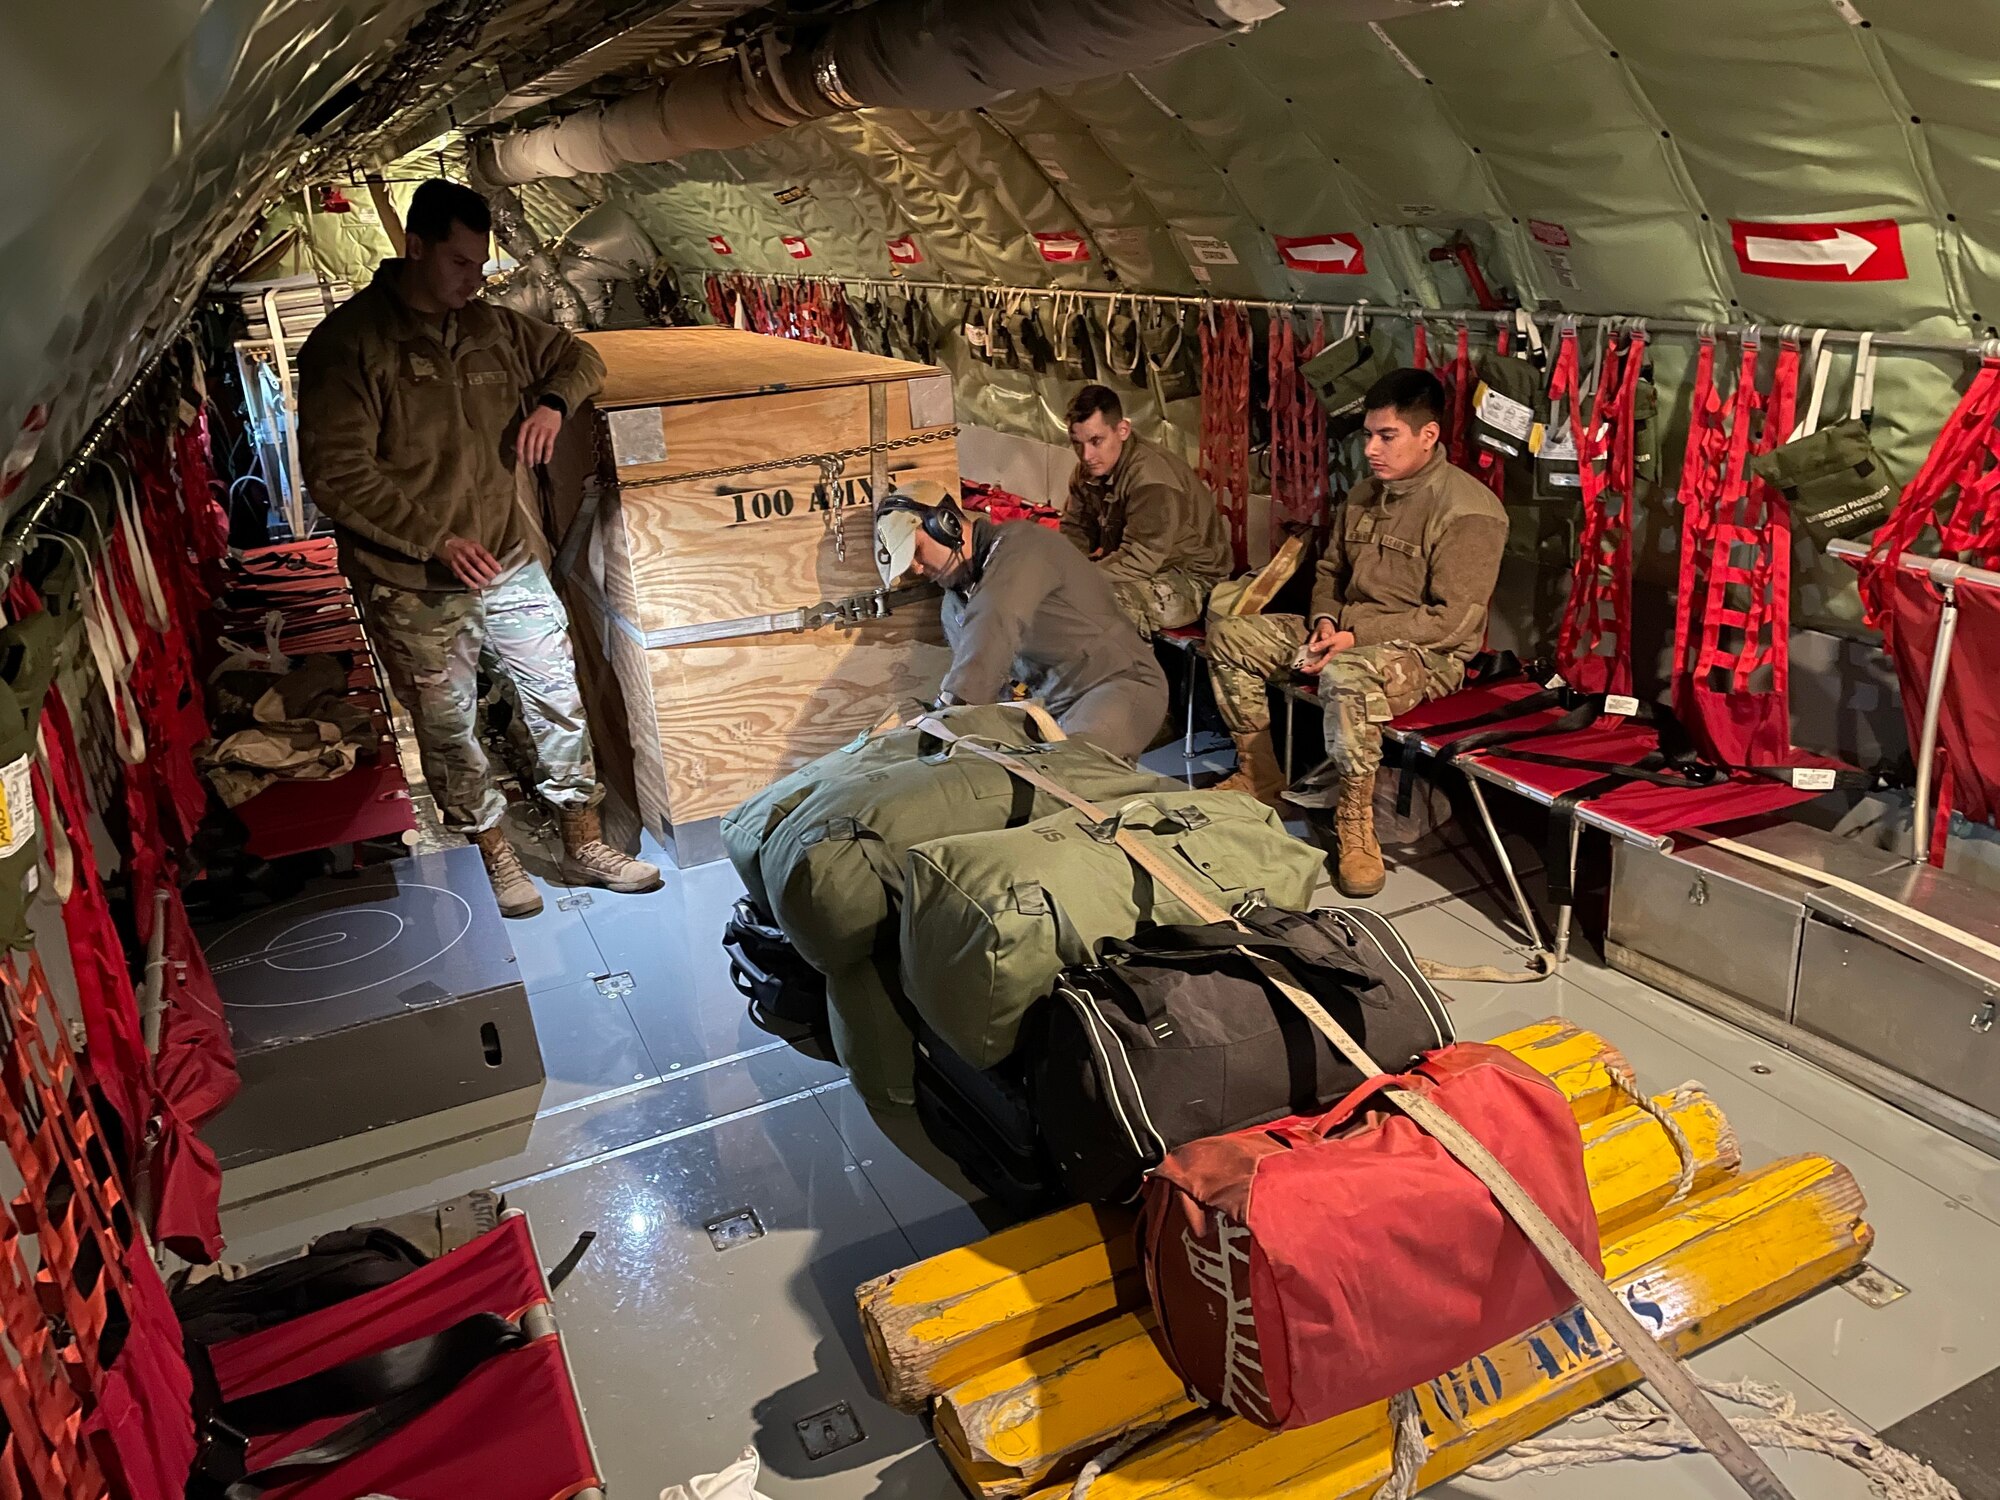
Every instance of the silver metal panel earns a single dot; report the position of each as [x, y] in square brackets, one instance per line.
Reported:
[1970, 908]
[1910, 1015]
[1719, 919]
[1728, 921]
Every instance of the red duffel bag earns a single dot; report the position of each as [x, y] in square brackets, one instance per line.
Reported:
[1309, 1267]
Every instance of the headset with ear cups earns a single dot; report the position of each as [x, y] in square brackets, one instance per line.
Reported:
[943, 523]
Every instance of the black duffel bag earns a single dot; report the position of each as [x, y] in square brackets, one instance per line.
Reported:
[1176, 1035]
[787, 995]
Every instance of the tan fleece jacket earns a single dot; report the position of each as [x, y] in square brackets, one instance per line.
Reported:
[406, 427]
[1414, 560]
[1150, 513]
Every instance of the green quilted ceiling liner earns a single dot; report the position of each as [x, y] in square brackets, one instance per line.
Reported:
[1593, 152]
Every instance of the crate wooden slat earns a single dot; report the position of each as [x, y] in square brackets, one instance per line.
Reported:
[708, 722]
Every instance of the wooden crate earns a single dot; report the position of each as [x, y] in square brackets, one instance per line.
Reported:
[673, 567]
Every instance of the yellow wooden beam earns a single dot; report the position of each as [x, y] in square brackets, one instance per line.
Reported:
[933, 1324]
[1047, 1410]
[1739, 1252]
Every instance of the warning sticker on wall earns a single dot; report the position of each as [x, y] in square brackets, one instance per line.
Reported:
[797, 194]
[1211, 252]
[1554, 242]
[17, 808]
[796, 247]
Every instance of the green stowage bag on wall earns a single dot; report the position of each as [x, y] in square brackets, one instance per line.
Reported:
[1834, 479]
[824, 850]
[990, 919]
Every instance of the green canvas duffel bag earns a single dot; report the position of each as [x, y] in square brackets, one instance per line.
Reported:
[824, 850]
[990, 919]
[749, 825]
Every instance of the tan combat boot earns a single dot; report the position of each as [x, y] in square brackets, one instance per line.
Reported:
[511, 887]
[588, 860]
[1257, 771]
[1360, 871]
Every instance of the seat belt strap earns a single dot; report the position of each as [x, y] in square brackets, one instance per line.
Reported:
[1659, 1365]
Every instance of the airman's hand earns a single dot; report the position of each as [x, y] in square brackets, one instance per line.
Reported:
[536, 442]
[474, 565]
[1326, 640]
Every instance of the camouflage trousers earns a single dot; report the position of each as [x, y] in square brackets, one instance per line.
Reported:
[1360, 689]
[1166, 601]
[430, 645]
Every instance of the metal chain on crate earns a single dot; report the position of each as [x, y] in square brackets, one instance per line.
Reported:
[828, 488]
[812, 460]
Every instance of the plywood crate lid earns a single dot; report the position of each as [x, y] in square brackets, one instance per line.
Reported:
[660, 366]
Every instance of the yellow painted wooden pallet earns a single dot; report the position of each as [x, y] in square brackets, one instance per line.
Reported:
[1033, 1349]
[935, 1323]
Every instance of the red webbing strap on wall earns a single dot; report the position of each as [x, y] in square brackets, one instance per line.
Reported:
[1225, 419]
[1594, 644]
[1300, 486]
[1734, 612]
[1458, 385]
[1420, 346]
[1963, 448]
[718, 308]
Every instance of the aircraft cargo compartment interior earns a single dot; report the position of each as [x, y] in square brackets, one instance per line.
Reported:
[1024, 749]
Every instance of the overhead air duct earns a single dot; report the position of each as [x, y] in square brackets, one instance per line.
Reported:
[897, 54]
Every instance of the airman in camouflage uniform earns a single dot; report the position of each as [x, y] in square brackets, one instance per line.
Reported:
[1399, 606]
[1143, 516]
[422, 415]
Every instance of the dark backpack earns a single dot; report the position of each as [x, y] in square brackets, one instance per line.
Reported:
[1175, 1036]
[787, 995]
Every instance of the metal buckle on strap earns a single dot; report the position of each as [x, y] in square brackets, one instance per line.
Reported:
[1190, 817]
[1105, 832]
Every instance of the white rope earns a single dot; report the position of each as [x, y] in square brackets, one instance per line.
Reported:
[1406, 1420]
[1683, 1147]
[1110, 1456]
[1642, 1430]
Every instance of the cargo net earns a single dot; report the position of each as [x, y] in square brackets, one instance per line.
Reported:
[1300, 485]
[799, 307]
[1225, 419]
[94, 1390]
[1733, 608]
[1594, 642]
[1956, 493]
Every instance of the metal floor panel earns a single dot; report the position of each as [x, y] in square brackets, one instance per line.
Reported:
[686, 1354]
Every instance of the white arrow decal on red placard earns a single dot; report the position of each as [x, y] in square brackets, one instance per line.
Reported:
[797, 248]
[1329, 254]
[719, 245]
[1844, 249]
[1062, 246]
[1859, 250]
[903, 251]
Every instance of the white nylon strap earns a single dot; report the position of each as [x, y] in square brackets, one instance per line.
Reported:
[138, 552]
[1861, 400]
[1524, 324]
[1821, 359]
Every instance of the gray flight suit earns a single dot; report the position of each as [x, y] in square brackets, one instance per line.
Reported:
[1037, 611]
